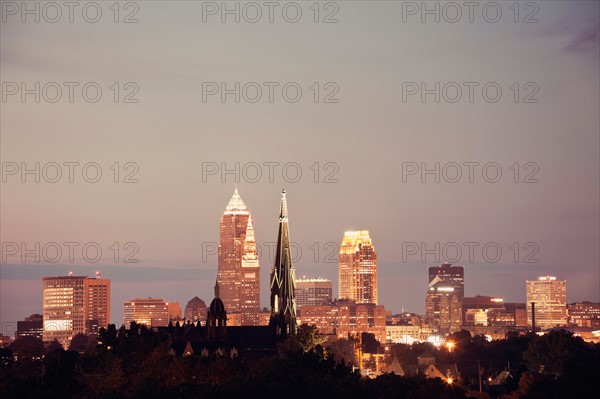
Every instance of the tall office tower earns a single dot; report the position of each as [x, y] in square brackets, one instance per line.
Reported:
[283, 279]
[195, 310]
[445, 293]
[443, 310]
[63, 308]
[313, 291]
[447, 275]
[550, 297]
[74, 305]
[153, 312]
[97, 303]
[358, 268]
[239, 270]
[250, 280]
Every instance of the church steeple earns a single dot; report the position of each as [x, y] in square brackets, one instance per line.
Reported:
[216, 288]
[283, 279]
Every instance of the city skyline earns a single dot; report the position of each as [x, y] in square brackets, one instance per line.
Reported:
[356, 198]
[446, 269]
[361, 158]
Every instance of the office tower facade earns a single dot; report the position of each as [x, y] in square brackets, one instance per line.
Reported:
[479, 302]
[323, 317]
[443, 302]
[238, 265]
[174, 311]
[63, 308]
[443, 310]
[195, 310]
[283, 278]
[32, 326]
[74, 305]
[356, 318]
[97, 303]
[357, 270]
[152, 312]
[550, 298]
[584, 314]
[447, 275]
[313, 291]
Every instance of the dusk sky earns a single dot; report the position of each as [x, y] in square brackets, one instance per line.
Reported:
[361, 145]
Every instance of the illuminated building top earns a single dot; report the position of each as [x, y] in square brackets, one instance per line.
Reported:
[236, 206]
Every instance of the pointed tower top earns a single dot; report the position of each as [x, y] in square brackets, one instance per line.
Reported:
[216, 288]
[236, 206]
[283, 213]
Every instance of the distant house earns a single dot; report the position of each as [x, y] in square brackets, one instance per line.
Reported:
[425, 366]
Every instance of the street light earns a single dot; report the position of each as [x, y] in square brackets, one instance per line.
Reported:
[450, 345]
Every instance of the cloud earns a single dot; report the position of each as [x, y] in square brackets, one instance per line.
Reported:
[584, 38]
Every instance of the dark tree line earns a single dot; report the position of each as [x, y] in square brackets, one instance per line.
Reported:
[139, 363]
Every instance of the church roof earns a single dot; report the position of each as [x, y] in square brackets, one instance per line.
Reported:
[217, 308]
[195, 301]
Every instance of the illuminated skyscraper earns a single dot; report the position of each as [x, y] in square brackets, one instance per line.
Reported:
[449, 276]
[358, 268]
[283, 279]
[239, 269]
[443, 302]
[74, 305]
[97, 303]
[550, 297]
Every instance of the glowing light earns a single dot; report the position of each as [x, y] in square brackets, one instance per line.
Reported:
[450, 380]
[450, 345]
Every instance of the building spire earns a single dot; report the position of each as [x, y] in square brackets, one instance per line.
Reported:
[216, 288]
[283, 212]
[236, 205]
[283, 279]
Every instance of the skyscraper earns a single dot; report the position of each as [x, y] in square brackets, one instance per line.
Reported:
[443, 302]
[313, 291]
[358, 268]
[550, 298]
[449, 276]
[74, 305]
[443, 310]
[283, 279]
[239, 270]
[97, 304]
